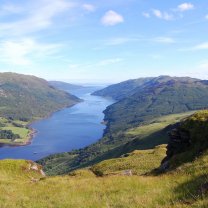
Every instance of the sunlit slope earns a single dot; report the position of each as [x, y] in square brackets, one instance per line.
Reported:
[181, 188]
[26, 97]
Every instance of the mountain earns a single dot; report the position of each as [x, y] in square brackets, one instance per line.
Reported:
[123, 89]
[155, 97]
[132, 180]
[65, 86]
[26, 97]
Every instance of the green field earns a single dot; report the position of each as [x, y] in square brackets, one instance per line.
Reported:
[157, 124]
[23, 131]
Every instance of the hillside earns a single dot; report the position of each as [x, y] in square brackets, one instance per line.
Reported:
[123, 89]
[129, 181]
[26, 97]
[160, 96]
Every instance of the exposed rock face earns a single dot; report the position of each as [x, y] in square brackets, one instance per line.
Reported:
[188, 139]
[179, 142]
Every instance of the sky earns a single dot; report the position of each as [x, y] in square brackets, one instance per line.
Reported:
[104, 41]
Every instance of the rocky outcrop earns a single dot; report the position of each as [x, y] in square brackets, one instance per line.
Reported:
[36, 168]
[187, 140]
[179, 142]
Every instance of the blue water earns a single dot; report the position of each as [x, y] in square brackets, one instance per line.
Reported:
[68, 129]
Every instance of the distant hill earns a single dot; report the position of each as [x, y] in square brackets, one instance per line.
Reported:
[123, 89]
[65, 85]
[26, 97]
[153, 97]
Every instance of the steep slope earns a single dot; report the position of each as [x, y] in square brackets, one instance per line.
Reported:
[160, 96]
[26, 97]
[187, 141]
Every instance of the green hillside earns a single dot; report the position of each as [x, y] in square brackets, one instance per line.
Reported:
[130, 181]
[24, 99]
[123, 89]
[160, 96]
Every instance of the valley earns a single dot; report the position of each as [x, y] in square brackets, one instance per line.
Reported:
[164, 154]
[67, 129]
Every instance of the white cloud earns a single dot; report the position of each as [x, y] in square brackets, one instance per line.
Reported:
[146, 14]
[164, 40]
[206, 17]
[162, 15]
[185, 7]
[202, 46]
[89, 7]
[9, 8]
[37, 16]
[22, 52]
[112, 18]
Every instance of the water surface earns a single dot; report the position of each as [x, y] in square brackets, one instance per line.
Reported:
[70, 128]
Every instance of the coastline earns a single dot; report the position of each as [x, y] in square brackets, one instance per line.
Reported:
[33, 131]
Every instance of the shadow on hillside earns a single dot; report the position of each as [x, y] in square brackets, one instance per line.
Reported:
[192, 190]
[149, 142]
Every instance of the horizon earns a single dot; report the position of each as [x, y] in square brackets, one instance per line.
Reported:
[98, 42]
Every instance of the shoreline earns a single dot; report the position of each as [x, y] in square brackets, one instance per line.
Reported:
[34, 131]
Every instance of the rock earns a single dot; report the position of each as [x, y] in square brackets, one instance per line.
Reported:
[35, 167]
[127, 173]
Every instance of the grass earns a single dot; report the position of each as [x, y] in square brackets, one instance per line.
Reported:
[22, 131]
[176, 189]
[157, 124]
[138, 162]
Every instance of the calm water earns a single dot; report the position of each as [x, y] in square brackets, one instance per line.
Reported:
[68, 129]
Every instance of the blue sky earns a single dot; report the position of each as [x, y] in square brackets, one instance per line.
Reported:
[105, 40]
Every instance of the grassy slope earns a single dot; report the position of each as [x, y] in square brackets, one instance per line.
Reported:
[143, 137]
[179, 188]
[176, 189]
